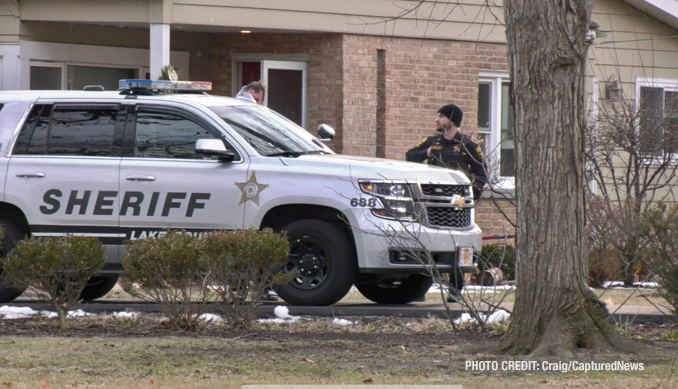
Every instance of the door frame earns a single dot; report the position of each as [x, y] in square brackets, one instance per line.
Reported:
[279, 61]
[289, 65]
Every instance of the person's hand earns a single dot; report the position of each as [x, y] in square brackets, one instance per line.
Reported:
[428, 152]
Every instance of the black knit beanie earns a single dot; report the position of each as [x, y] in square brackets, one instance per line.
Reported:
[453, 113]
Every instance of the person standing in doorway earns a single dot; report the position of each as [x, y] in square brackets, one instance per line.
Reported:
[253, 92]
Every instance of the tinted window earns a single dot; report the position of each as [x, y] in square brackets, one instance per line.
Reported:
[86, 131]
[167, 135]
[33, 136]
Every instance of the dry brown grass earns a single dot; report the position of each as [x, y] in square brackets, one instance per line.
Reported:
[104, 352]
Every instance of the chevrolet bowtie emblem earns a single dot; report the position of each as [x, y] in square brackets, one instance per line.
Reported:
[458, 201]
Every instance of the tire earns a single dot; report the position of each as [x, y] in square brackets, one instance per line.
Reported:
[322, 259]
[98, 287]
[12, 235]
[403, 291]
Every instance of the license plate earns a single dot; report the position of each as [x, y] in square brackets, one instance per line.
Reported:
[465, 256]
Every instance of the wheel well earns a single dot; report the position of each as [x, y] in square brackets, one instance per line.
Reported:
[12, 213]
[282, 215]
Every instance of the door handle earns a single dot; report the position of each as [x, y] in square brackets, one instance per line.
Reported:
[140, 178]
[30, 174]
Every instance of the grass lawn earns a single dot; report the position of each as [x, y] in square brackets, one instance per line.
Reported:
[105, 352]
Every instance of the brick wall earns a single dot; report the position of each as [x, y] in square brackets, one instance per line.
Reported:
[421, 76]
[325, 90]
[490, 219]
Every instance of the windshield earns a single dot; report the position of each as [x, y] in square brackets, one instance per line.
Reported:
[268, 132]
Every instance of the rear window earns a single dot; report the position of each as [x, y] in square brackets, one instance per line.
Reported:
[68, 130]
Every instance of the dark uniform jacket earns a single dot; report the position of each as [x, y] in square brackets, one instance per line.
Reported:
[460, 153]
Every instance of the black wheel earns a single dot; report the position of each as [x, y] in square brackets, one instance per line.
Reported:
[98, 287]
[402, 291]
[322, 260]
[12, 235]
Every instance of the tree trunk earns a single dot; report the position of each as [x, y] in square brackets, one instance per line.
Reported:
[554, 310]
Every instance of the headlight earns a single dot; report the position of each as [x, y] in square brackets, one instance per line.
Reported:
[394, 199]
[386, 189]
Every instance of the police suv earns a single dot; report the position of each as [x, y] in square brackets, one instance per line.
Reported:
[134, 163]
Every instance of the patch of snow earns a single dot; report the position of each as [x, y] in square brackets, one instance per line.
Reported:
[17, 312]
[636, 285]
[488, 288]
[282, 314]
[210, 317]
[498, 317]
[125, 315]
[23, 312]
[342, 322]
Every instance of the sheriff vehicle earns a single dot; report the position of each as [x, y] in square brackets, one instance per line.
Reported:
[134, 163]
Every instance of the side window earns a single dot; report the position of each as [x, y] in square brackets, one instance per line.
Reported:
[83, 131]
[32, 139]
[163, 134]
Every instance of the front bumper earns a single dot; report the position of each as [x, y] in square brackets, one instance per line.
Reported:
[389, 246]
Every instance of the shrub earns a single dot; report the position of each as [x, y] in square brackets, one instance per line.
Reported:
[659, 228]
[499, 255]
[55, 268]
[243, 264]
[603, 266]
[171, 272]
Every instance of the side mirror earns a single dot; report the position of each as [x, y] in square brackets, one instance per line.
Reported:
[214, 147]
[325, 132]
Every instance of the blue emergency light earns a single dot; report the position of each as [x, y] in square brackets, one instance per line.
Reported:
[165, 85]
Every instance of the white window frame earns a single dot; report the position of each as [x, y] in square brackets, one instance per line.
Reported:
[492, 148]
[59, 65]
[664, 83]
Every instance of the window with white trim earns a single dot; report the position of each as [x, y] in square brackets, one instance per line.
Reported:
[495, 125]
[657, 102]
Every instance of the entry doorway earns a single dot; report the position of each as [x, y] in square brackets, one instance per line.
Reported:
[286, 83]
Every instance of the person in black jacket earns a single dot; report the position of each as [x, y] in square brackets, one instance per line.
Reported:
[451, 149]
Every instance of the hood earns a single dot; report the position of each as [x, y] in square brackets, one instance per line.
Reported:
[374, 168]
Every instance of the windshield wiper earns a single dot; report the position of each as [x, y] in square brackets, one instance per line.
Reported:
[293, 154]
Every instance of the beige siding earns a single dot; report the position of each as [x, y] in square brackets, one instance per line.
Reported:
[9, 21]
[86, 11]
[468, 20]
[197, 44]
[9, 28]
[637, 46]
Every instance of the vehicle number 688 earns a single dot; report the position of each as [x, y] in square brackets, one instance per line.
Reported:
[363, 202]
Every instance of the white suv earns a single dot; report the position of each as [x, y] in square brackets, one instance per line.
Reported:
[130, 165]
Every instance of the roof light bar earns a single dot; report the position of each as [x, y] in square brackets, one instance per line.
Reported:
[163, 85]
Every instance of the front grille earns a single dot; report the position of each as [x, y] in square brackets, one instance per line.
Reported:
[449, 217]
[444, 190]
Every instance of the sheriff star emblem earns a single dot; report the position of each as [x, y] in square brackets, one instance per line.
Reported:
[457, 149]
[250, 190]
